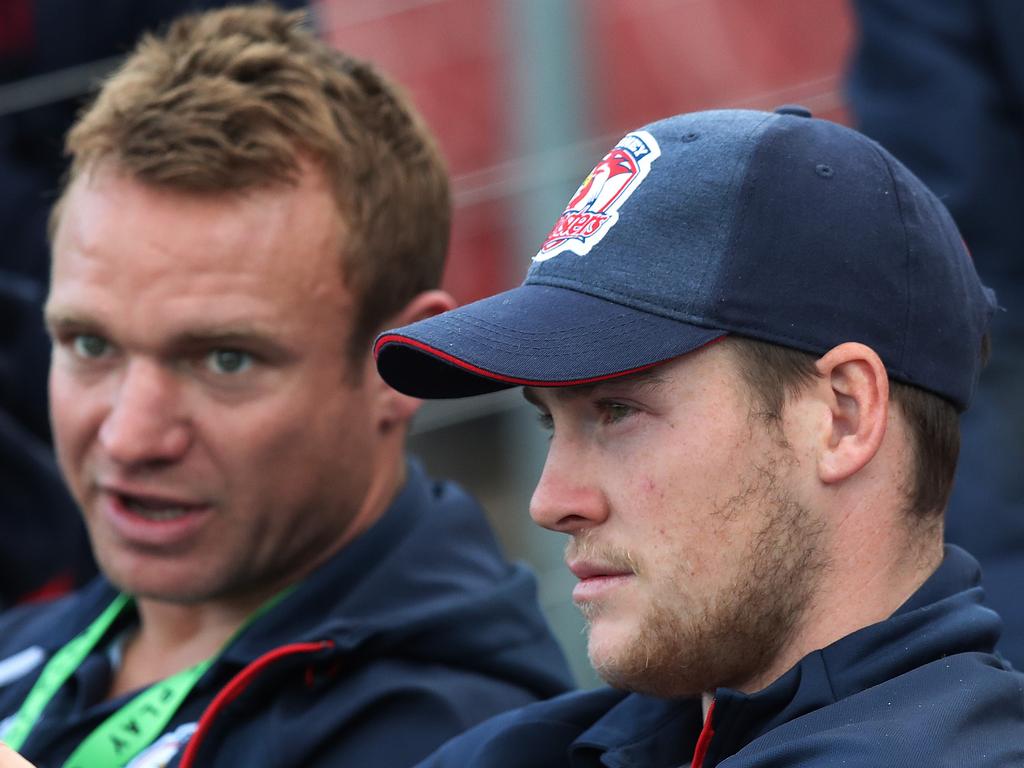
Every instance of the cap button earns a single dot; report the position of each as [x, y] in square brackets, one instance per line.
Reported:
[793, 109]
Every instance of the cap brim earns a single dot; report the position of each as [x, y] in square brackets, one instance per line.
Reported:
[533, 335]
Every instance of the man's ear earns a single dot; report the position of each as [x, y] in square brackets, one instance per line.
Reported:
[855, 388]
[394, 408]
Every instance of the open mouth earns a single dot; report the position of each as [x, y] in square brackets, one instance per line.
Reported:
[157, 510]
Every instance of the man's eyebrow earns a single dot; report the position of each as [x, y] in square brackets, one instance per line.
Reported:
[67, 321]
[221, 336]
[248, 337]
[651, 379]
[646, 381]
[530, 397]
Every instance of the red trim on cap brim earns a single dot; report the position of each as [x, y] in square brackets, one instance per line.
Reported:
[396, 338]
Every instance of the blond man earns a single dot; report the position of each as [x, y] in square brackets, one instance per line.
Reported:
[246, 209]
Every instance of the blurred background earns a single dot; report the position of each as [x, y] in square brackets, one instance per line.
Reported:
[525, 97]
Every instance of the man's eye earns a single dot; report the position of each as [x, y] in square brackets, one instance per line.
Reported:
[612, 412]
[545, 421]
[229, 361]
[90, 346]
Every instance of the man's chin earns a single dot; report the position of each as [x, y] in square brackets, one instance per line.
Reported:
[630, 661]
[612, 651]
[159, 584]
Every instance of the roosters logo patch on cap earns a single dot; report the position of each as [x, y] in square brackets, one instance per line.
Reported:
[594, 208]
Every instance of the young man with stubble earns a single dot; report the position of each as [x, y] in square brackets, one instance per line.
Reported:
[750, 335]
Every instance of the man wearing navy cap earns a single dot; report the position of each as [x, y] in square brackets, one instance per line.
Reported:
[750, 335]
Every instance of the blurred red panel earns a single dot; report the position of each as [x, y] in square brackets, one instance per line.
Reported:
[16, 33]
[642, 60]
[452, 58]
[449, 54]
[482, 240]
[654, 58]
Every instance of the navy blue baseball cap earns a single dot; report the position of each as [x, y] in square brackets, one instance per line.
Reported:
[771, 225]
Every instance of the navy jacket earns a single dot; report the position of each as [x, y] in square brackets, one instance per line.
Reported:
[414, 632]
[922, 688]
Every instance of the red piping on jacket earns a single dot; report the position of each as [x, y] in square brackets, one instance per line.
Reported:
[237, 685]
[61, 584]
[706, 734]
[17, 28]
[395, 338]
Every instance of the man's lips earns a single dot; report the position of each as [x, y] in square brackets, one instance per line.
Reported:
[148, 517]
[597, 580]
[151, 517]
[144, 502]
[583, 569]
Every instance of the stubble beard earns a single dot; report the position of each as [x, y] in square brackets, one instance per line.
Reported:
[688, 644]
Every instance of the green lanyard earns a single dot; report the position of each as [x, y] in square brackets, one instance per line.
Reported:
[135, 725]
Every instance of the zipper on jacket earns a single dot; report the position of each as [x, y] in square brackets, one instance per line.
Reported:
[706, 734]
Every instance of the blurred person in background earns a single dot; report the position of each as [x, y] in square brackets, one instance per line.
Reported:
[246, 209]
[43, 40]
[942, 86]
[44, 551]
[57, 45]
[750, 335]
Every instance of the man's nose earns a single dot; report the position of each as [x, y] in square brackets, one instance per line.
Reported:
[145, 423]
[567, 499]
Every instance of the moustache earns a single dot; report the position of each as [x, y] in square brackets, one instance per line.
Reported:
[585, 547]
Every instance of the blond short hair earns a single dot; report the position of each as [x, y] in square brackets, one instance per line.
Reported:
[234, 99]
